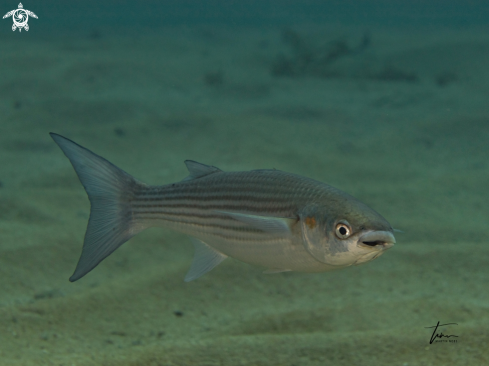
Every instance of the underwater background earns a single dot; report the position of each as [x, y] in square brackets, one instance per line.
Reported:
[386, 100]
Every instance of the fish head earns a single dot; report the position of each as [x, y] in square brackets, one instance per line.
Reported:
[345, 233]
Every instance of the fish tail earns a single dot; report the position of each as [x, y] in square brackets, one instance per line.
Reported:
[110, 191]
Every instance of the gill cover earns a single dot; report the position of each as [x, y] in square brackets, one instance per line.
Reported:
[320, 240]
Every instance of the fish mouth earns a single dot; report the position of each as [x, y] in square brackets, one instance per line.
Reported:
[378, 239]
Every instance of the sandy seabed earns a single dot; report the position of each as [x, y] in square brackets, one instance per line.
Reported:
[399, 119]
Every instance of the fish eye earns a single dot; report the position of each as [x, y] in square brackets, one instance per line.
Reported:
[343, 230]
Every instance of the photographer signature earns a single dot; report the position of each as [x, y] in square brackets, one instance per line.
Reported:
[440, 335]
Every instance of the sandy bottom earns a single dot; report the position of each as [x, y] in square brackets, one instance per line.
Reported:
[397, 119]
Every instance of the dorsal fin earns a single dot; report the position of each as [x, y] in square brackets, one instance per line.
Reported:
[199, 170]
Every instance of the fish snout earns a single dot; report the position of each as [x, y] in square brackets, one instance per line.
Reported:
[378, 239]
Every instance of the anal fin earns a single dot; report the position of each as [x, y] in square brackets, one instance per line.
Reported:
[205, 259]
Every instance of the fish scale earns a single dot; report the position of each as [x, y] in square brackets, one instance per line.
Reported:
[196, 203]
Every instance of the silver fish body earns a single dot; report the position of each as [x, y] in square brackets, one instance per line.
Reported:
[270, 218]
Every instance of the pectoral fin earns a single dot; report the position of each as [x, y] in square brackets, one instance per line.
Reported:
[205, 259]
[274, 225]
[275, 270]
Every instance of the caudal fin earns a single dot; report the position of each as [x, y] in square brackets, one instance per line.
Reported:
[110, 191]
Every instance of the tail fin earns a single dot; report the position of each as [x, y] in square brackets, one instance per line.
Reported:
[110, 191]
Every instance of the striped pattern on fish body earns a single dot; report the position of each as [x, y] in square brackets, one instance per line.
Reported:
[199, 208]
[278, 220]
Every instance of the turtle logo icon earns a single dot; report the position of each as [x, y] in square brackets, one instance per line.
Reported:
[20, 17]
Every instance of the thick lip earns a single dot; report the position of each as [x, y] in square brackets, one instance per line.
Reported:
[378, 239]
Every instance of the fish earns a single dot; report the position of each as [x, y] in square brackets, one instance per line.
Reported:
[270, 218]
